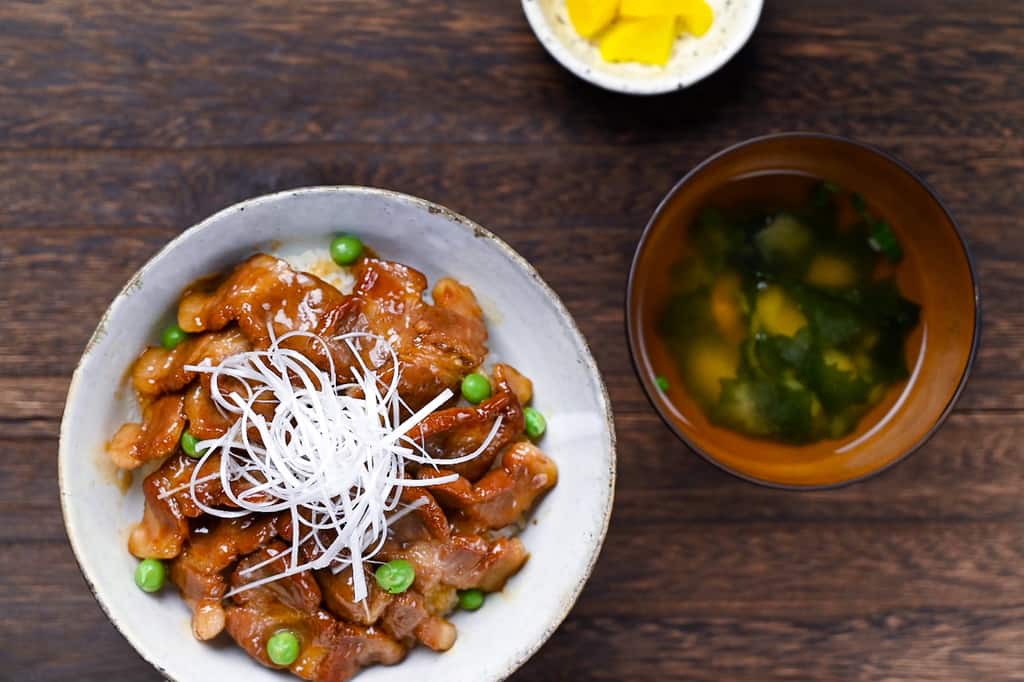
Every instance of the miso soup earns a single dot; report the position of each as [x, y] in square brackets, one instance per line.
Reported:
[785, 318]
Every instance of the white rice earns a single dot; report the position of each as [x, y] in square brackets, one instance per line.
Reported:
[318, 262]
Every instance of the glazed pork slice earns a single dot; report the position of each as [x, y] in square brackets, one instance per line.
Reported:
[504, 495]
[265, 295]
[459, 431]
[164, 527]
[169, 504]
[437, 344]
[339, 597]
[163, 421]
[157, 375]
[214, 545]
[262, 291]
[508, 376]
[204, 419]
[447, 561]
[159, 371]
[427, 517]
[408, 619]
[444, 563]
[207, 420]
[464, 561]
[330, 650]
[405, 616]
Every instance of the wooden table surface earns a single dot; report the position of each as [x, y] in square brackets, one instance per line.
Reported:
[122, 123]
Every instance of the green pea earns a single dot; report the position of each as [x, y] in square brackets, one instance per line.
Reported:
[536, 424]
[150, 575]
[283, 647]
[172, 336]
[346, 249]
[396, 576]
[662, 383]
[188, 444]
[476, 388]
[471, 600]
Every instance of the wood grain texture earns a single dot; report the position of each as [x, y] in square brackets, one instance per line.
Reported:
[206, 74]
[122, 123]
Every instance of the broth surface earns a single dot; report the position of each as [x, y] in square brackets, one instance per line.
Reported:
[785, 320]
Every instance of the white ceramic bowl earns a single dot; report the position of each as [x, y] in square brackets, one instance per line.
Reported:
[692, 59]
[530, 328]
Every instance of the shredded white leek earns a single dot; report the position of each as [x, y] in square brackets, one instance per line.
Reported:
[331, 454]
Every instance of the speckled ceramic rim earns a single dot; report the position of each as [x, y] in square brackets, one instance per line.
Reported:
[668, 82]
[634, 342]
[570, 599]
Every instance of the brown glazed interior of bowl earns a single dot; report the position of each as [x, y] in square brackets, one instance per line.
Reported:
[936, 272]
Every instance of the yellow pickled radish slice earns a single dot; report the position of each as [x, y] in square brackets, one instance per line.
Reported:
[696, 18]
[589, 17]
[648, 41]
[644, 9]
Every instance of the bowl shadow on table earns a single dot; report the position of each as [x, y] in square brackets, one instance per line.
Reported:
[658, 118]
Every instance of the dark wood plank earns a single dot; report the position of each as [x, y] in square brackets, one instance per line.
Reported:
[110, 73]
[29, 494]
[501, 186]
[121, 123]
[56, 629]
[794, 569]
[912, 645]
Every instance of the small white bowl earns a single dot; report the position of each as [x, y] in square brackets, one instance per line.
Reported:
[529, 328]
[693, 58]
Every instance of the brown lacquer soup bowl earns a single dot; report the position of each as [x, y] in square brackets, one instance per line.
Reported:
[935, 272]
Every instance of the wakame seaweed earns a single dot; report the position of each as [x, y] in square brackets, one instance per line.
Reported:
[786, 324]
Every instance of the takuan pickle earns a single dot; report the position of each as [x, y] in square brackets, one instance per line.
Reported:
[642, 31]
